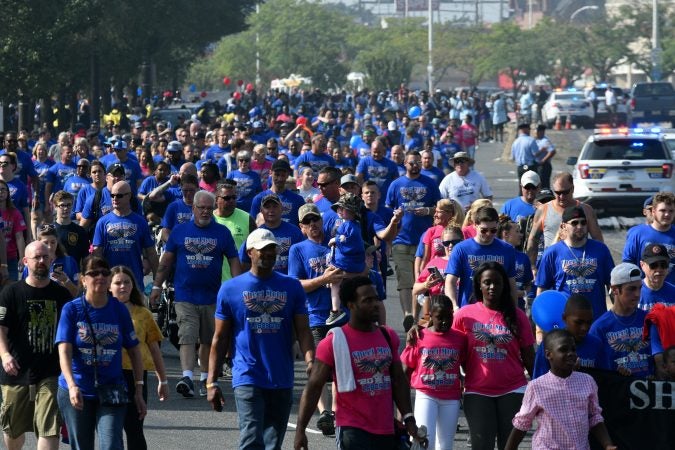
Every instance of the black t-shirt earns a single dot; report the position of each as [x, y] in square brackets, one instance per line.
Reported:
[75, 239]
[31, 316]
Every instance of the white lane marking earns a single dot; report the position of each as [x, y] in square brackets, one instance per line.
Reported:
[307, 430]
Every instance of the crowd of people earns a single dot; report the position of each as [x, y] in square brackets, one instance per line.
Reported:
[276, 223]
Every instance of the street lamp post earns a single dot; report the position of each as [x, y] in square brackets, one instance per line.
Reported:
[656, 45]
[583, 8]
[430, 28]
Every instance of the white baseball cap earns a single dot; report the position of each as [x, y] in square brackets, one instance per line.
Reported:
[530, 177]
[259, 239]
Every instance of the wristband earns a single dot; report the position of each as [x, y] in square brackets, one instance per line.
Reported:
[156, 288]
[408, 416]
[140, 383]
[212, 385]
[164, 383]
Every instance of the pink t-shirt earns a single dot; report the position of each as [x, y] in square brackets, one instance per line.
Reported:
[370, 406]
[263, 169]
[434, 240]
[467, 135]
[493, 363]
[12, 223]
[440, 264]
[469, 232]
[435, 360]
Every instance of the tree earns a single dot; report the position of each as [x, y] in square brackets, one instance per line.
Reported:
[604, 46]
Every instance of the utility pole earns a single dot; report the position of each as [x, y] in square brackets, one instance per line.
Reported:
[430, 30]
[656, 45]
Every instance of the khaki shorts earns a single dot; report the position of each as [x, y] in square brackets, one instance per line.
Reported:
[20, 415]
[403, 257]
[196, 323]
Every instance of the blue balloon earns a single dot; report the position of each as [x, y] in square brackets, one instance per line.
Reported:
[414, 112]
[547, 310]
[139, 91]
[193, 88]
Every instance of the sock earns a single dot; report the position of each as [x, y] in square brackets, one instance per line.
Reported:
[187, 373]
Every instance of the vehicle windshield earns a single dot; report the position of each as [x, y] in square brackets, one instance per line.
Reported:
[635, 149]
[570, 96]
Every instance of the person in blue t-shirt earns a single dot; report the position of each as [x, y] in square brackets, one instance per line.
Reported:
[578, 317]
[74, 184]
[471, 253]
[58, 174]
[180, 210]
[197, 249]
[248, 181]
[655, 289]
[260, 314]
[576, 264]
[523, 206]
[620, 329]
[348, 251]
[377, 168]
[290, 201]
[316, 157]
[509, 232]
[122, 236]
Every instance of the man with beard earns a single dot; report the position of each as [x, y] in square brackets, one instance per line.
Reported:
[197, 249]
[377, 168]
[290, 201]
[29, 314]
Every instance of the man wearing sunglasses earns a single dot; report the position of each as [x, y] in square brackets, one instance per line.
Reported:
[655, 263]
[576, 264]
[523, 206]
[467, 255]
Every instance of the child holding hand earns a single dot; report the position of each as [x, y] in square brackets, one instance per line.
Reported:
[564, 403]
[432, 364]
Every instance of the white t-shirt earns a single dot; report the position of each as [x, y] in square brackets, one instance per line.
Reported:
[465, 189]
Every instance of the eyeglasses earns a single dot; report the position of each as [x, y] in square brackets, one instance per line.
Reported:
[414, 163]
[228, 198]
[659, 265]
[487, 230]
[64, 205]
[244, 160]
[561, 193]
[574, 223]
[308, 220]
[461, 161]
[97, 272]
[452, 242]
[4, 163]
[122, 195]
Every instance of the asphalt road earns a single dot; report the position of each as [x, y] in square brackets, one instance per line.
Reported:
[180, 424]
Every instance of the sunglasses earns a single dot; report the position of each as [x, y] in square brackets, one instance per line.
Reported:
[561, 193]
[119, 195]
[461, 161]
[95, 273]
[531, 187]
[4, 163]
[325, 184]
[487, 230]
[228, 198]
[244, 160]
[574, 223]
[308, 220]
[452, 242]
[659, 265]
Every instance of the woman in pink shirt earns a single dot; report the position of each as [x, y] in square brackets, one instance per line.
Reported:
[500, 345]
[261, 165]
[448, 212]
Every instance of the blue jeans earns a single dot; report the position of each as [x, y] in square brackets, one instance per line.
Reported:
[106, 421]
[263, 416]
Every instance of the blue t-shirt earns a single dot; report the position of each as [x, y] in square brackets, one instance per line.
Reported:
[350, 254]
[523, 274]
[82, 197]
[149, 184]
[75, 184]
[317, 162]
[262, 311]
[290, 204]
[285, 235]
[41, 168]
[517, 209]
[308, 260]
[215, 152]
[469, 254]
[18, 193]
[409, 194]
[649, 298]
[382, 172]
[200, 252]
[638, 237]
[67, 264]
[24, 165]
[585, 270]
[59, 173]
[587, 351]
[123, 240]
[434, 173]
[114, 330]
[622, 344]
[132, 172]
[104, 207]
[177, 212]
[248, 185]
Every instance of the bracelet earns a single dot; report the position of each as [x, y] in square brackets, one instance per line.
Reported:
[156, 288]
[408, 416]
[164, 383]
[140, 383]
[212, 385]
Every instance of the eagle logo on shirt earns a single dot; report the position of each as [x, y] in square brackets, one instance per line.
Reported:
[580, 269]
[200, 246]
[414, 193]
[492, 340]
[628, 345]
[120, 232]
[373, 365]
[439, 364]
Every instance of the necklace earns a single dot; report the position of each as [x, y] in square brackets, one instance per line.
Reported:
[583, 254]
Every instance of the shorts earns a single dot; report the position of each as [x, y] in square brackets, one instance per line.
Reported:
[196, 323]
[319, 332]
[20, 415]
[403, 257]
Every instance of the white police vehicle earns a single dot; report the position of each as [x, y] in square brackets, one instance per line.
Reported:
[618, 168]
[571, 105]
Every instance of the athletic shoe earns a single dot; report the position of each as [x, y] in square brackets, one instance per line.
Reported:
[202, 388]
[335, 317]
[186, 387]
[227, 371]
[408, 322]
[326, 423]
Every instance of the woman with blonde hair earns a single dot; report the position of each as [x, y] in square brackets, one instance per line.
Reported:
[448, 212]
[468, 227]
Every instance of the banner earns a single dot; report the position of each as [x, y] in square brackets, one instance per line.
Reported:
[639, 413]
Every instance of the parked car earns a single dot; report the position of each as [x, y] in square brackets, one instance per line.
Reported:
[602, 115]
[652, 103]
[568, 105]
[618, 169]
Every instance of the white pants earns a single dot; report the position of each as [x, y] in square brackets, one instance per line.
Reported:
[440, 417]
